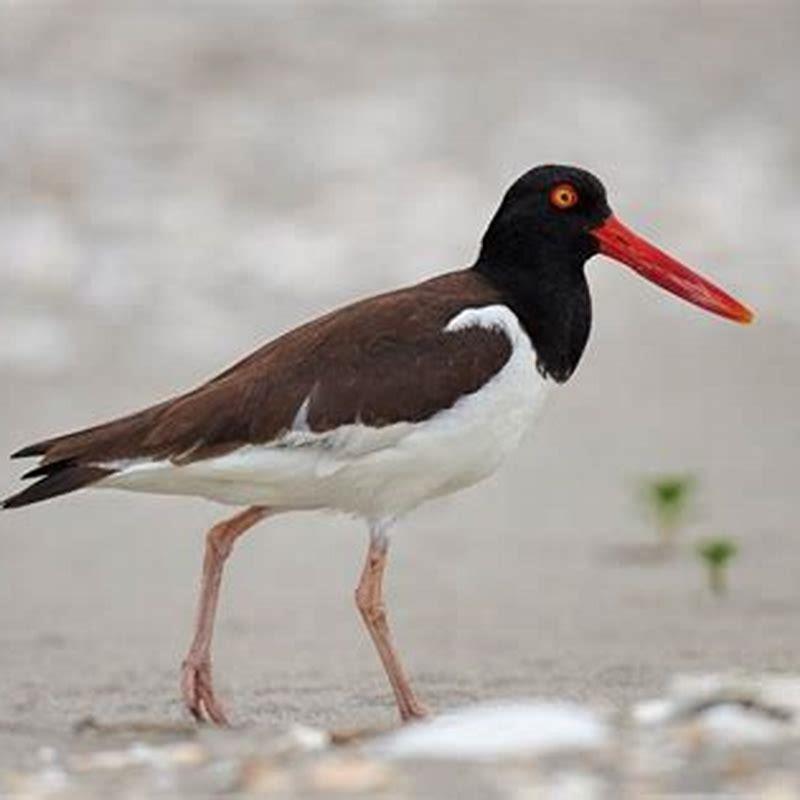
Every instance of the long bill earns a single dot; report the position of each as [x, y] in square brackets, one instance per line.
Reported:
[620, 243]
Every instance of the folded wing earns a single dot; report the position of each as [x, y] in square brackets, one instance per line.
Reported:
[383, 360]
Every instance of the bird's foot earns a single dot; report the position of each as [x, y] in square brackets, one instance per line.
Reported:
[198, 692]
[413, 711]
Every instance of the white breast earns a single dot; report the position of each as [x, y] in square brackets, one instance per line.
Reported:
[373, 472]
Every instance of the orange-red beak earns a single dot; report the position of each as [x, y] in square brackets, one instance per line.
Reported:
[620, 243]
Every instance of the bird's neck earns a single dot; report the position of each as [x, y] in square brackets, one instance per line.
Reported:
[551, 300]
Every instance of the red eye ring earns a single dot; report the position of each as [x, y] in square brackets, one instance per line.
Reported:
[563, 196]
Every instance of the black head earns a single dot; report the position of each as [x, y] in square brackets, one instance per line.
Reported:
[534, 251]
[550, 222]
[551, 208]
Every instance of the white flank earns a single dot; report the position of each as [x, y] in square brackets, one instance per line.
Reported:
[376, 473]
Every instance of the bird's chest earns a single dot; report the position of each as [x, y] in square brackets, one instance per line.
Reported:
[463, 444]
[481, 429]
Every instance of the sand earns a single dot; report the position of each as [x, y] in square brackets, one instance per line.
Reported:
[535, 583]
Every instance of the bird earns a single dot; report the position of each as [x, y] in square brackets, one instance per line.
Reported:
[379, 406]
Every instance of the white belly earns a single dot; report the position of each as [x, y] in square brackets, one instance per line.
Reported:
[376, 473]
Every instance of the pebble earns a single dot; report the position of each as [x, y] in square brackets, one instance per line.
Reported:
[350, 775]
[723, 735]
[491, 731]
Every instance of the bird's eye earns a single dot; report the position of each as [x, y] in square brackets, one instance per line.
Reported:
[563, 196]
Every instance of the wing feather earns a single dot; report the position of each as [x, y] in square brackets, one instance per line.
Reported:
[382, 360]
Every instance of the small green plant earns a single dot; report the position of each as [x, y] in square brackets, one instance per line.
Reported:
[669, 498]
[717, 555]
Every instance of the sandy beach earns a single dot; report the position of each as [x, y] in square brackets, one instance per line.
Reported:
[178, 187]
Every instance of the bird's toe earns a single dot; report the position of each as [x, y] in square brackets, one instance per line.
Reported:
[198, 693]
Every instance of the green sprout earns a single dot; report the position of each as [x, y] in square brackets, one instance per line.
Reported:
[668, 496]
[717, 554]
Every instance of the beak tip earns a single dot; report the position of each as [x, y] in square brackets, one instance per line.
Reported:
[747, 317]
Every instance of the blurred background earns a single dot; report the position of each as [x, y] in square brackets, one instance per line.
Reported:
[180, 182]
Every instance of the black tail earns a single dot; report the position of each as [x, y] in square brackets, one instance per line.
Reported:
[58, 477]
[70, 462]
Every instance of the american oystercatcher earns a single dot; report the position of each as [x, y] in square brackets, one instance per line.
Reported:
[380, 405]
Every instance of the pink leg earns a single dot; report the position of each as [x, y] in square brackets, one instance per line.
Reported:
[369, 599]
[196, 685]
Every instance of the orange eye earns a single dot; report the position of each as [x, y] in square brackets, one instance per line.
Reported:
[563, 196]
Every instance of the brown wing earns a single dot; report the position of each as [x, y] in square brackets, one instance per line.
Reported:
[383, 360]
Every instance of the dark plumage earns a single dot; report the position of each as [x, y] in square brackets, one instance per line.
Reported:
[354, 364]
